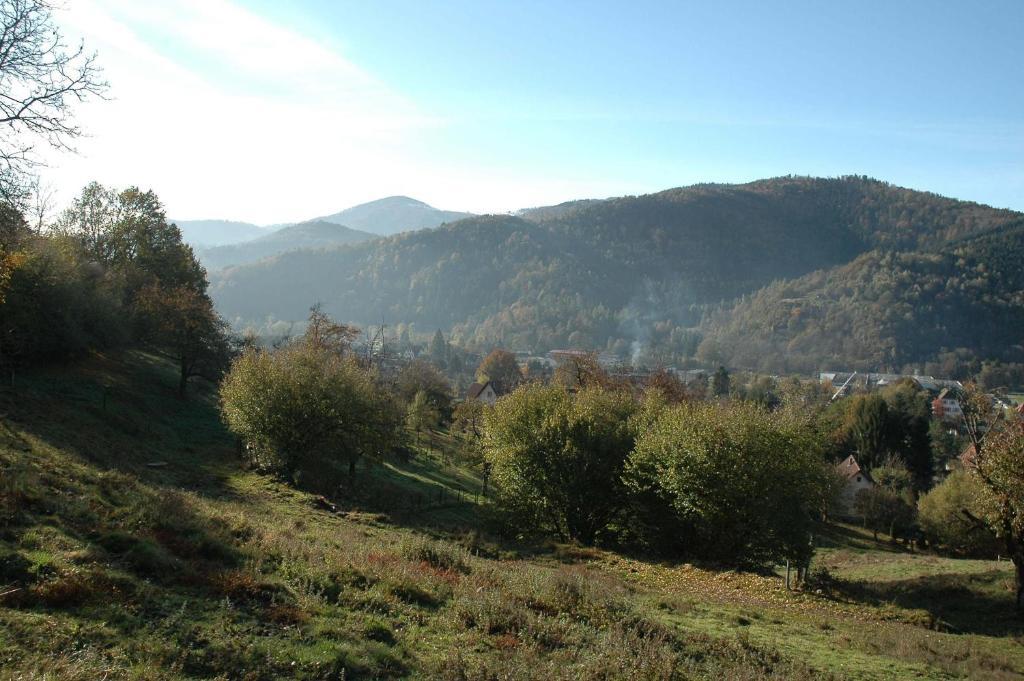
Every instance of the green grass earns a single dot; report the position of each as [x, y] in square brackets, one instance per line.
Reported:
[198, 568]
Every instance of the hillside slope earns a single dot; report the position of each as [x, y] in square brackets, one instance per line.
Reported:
[304, 235]
[604, 274]
[392, 215]
[882, 310]
[133, 544]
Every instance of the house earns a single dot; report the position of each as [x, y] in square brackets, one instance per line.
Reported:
[856, 480]
[868, 381]
[946, 407]
[483, 392]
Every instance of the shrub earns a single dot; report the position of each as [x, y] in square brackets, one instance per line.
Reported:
[728, 482]
[306, 408]
[942, 518]
[441, 555]
[557, 458]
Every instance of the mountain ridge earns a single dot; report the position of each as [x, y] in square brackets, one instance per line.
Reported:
[392, 215]
[608, 274]
[303, 235]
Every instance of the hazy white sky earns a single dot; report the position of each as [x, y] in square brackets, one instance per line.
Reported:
[270, 112]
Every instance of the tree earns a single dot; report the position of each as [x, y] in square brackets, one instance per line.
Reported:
[501, 369]
[576, 372]
[729, 482]
[421, 414]
[1000, 468]
[667, 385]
[439, 350]
[946, 511]
[720, 383]
[867, 422]
[557, 458]
[945, 443]
[183, 320]
[978, 414]
[468, 418]
[326, 334]
[303, 411]
[127, 231]
[910, 417]
[883, 509]
[422, 377]
[41, 80]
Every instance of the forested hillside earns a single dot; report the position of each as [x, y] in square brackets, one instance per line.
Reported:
[312, 234]
[883, 309]
[635, 275]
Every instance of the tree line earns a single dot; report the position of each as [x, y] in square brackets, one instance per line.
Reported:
[110, 272]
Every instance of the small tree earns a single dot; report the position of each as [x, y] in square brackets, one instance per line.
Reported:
[305, 408]
[557, 459]
[867, 422]
[729, 482]
[419, 376]
[668, 385]
[1000, 468]
[501, 369]
[720, 383]
[439, 350]
[946, 515]
[576, 372]
[468, 418]
[183, 321]
[883, 509]
[421, 414]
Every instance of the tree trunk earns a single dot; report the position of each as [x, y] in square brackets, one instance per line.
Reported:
[182, 379]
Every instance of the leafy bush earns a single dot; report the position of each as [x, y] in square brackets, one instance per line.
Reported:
[306, 409]
[942, 518]
[557, 458]
[728, 482]
[884, 510]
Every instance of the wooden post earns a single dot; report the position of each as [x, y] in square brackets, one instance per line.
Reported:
[787, 575]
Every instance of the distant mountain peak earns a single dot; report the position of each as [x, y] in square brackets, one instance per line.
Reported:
[393, 214]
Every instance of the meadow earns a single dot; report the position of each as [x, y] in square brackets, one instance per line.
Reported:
[134, 544]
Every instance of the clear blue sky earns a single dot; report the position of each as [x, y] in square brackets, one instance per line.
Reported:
[515, 103]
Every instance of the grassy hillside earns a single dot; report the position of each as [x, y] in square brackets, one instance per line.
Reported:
[613, 274]
[133, 544]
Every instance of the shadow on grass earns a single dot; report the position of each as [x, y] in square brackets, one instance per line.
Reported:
[977, 603]
[418, 492]
[124, 414]
[843, 536]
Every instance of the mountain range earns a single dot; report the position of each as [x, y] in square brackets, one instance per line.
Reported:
[311, 234]
[392, 215]
[211, 233]
[689, 273]
[386, 216]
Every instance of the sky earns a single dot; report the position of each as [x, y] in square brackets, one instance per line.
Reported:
[270, 112]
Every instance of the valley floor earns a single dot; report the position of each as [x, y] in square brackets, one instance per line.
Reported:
[134, 544]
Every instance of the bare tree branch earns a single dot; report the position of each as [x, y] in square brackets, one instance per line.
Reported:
[41, 81]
